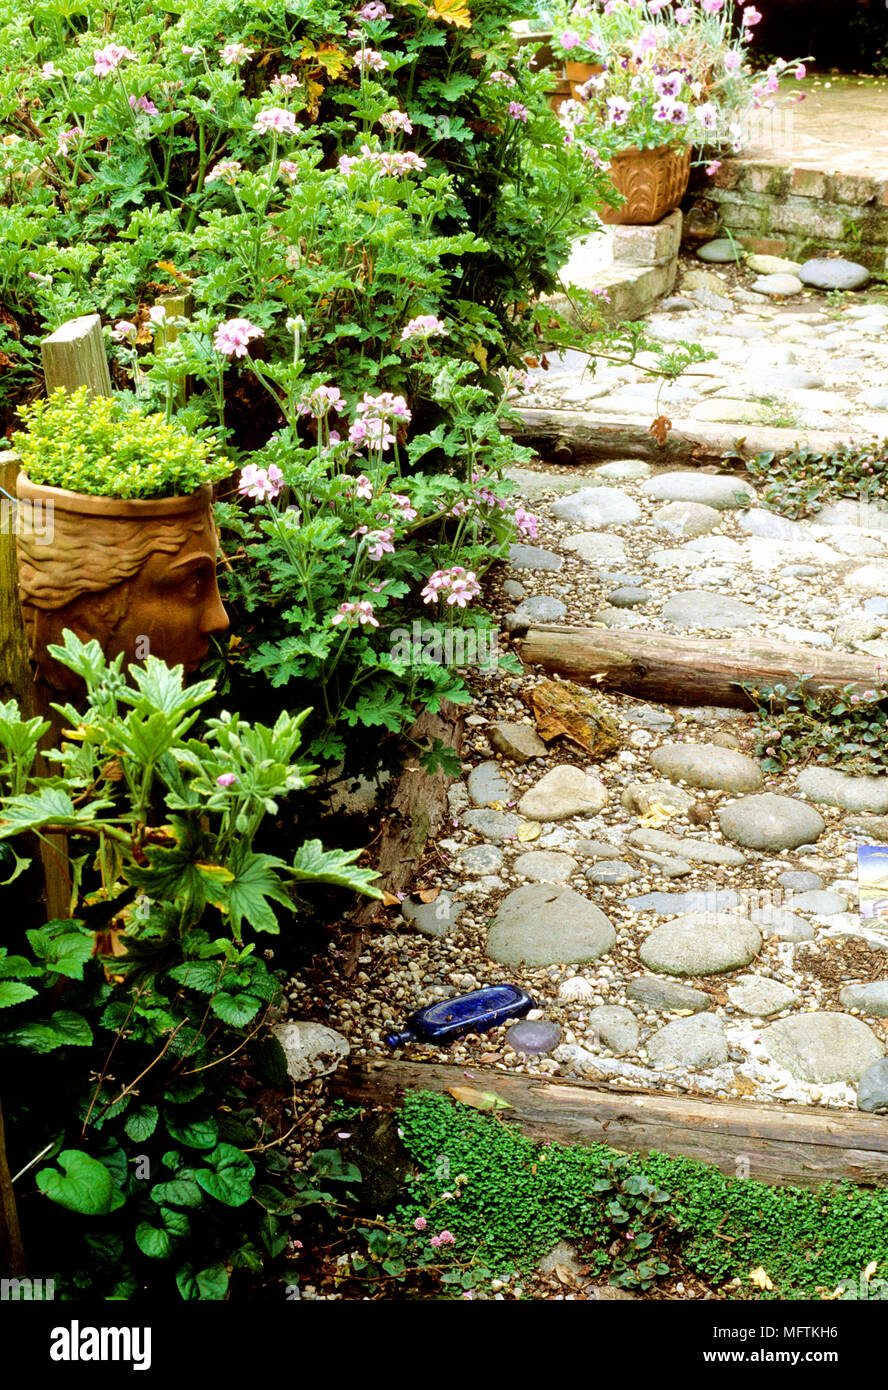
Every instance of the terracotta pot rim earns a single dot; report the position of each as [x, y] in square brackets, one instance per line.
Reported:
[86, 504]
[634, 152]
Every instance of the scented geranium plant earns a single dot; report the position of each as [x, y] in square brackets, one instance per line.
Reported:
[673, 72]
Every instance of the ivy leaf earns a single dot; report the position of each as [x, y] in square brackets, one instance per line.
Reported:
[195, 1134]
[141, 1123]
[83, 1185]
[229, 1176]
[178, 1192]
[210, 1284]
[153, 1241]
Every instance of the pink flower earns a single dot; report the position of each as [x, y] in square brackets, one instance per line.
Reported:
[751, 16]
[364, 487]
[396, 120]
[374, 10]
[684, 15]
[380, 543]
[655, 6]
[124, 331]
[504, 79]
[384, 405]
[286, 81]
[526, 522]
[260, 482]
[49, 70]
[713, 168]
[227, 779]
[518, 112]
[420, 1223]
[445, 1238]
[618, 109]
[646, 40]
[232, 337]
[227, 169]
[108, 60]
[712, 6]
[67, 137]
[404, 505]
[354, 613]
[425, 326]
[277, 119]
[800, 72]
[324, 399]
[288, 168]
[234, 53]
[188, 50]
[569, 39]
[142, 104]
[733, 61]
[369, 59]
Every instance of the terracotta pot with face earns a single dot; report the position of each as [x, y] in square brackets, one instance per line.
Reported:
[136, 574]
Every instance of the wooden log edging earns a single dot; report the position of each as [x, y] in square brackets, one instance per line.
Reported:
[776, 1144]
[573, 436]
[688, 670]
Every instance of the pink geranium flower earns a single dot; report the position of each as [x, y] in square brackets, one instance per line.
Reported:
[124, 331]
[142, 104]
[108, 59]
[234, 53]
[396, 120]
[232, 337]
[518, 112]
[226, 779]
[751, 16]
[227, 169]
[260, 483]
[424, 326]
[277, 119]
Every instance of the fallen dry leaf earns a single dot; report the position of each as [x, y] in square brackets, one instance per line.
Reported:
[562, 709]
[390, 900]
[529, 830]
[478, 1100]
[659, 428]
[759, 1278]
[656, 815]
[427, 895]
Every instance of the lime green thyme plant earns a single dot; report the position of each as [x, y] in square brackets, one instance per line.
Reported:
[100, 446]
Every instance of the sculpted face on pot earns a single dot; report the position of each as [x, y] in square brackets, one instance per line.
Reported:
[138, 584]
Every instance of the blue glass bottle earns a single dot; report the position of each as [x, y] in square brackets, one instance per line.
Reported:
[468, 1013]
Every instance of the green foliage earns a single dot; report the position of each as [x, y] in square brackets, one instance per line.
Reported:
[799, 483]
[96, 445]
[842, 727]
[514, 1199]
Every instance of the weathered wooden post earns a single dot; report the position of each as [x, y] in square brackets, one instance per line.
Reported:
[74, 356]
[12, 1254]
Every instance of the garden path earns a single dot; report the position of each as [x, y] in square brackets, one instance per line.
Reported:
[601, 880]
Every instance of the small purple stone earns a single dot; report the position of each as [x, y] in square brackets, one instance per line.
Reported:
[533, 1035]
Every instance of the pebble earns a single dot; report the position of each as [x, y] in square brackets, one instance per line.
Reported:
[701, 943]
[871, 998]
[800, 879]
[493, 825]
[696, 900]
[772, 265]
[545, 866]
[872, 1089]
[310, 1049]
[563, 792]
[822, 1047]
[611, 871]
[596, 548]
[539, 925]
[481, 859]
[778, 286]
[829, 787]
[629, 596]
[722, 251]
[689, 1042]
[533, 1036]
[833, 273]
[770, 822]
[516, 741]
[786, 926]
[697, 608]
[759, 996]
[820, 901]
[531, 557]
[639, 797]
[699, 851]
[487, 784]
[707, 766]
[667, 994]
[436, 919]
[541, 609]
[614, 1027]
[714, 490]
[687, 518]
[597, 507]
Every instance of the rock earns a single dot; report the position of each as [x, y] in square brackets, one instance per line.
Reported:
[869, 827]
[872, 1089]
[721, 548]
[821, 902]
[539, 925]
[875, 397]
[437, 919]
[721, 250]
[669, 866]
[822, 1047]
[533, 1036]
[696, 900]
[698, 851]
[611, 871]
[311, 1049]
[516, 741]
[869, 516]
[869, 578]
[786, 926]
[481, 859]
[707, 766]
[666, 994]
[594, 849]
[597, 548]
[869, 998]
[615, 1028]
[759, 996]
[698, 608]
[778, 286]
[687, 518]
[597, 507]
[701, 943]
[761, 522]
[770, 822]
[800, 880]
[629, 596]
[563, 1255]
[545, 866]
[563, 792]
[487, 784]
[772, 265]
[639, 797]
[657, 719]
[858, 629]
[766, 385]
[717, 490]
[623, 470]
[543, 608]
[833, 273]
[829, 787]
[689, 1042]
[617, 617]
[878, 605]
[512, 589]
[531, 557]
[493, 825]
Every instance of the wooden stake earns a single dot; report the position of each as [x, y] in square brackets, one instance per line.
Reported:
[12, 1253]
[74, 356]
[15, 670]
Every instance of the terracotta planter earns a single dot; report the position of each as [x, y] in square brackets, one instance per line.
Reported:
[578, 73]
[138, 575]
[653, 182]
